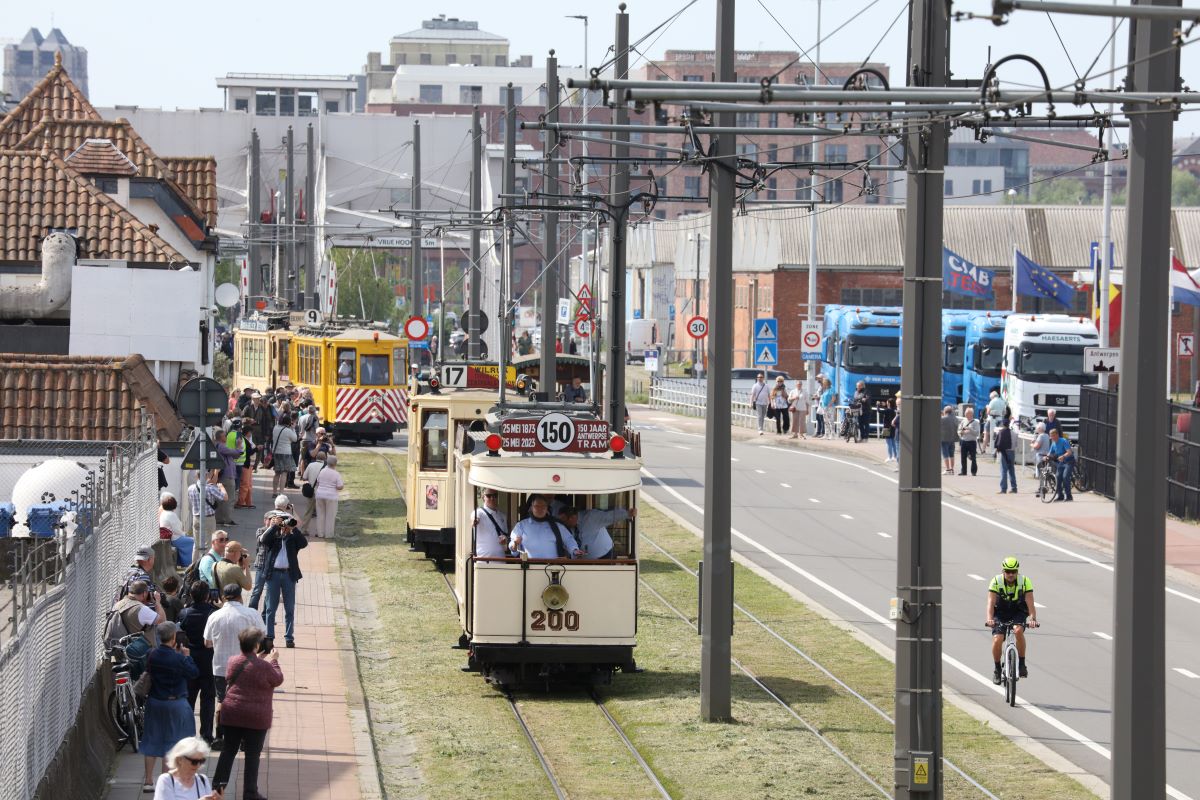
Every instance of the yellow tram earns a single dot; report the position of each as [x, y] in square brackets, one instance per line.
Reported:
[357, 377]
[260, 351]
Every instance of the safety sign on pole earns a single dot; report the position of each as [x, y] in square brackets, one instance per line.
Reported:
[697, 327]
[1185, 345]
[564, 311]
[766, 342]
[812, 341]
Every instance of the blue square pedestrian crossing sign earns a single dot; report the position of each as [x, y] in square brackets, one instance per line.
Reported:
[766, 354]
[766, 329]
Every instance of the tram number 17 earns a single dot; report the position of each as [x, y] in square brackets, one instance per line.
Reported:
[556, 620]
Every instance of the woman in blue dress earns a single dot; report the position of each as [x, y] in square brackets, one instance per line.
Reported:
[168, 715]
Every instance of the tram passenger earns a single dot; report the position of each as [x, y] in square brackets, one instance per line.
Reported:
[540, 536]
[590, 528]
[345, 370]
[491, 528]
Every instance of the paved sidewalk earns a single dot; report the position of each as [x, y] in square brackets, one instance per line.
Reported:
[318, 747]
[1091, 516]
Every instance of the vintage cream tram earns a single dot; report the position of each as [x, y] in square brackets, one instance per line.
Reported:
[528, 618]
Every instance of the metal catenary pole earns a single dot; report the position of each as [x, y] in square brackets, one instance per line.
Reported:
[813, 366]
[510, 189]
[918, 751]
[309, 297]
[415, 261]
[618, 193]
[716, 610]
[1139, 602]
[1105, 261]
[290, 282]
[255, 198]
[473, 317]
[550, 288]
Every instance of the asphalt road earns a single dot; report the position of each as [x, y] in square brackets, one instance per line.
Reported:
[827, 525]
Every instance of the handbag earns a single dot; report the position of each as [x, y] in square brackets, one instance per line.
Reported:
[228, 683]
[310, 489]
[269, 458]
[141, 687]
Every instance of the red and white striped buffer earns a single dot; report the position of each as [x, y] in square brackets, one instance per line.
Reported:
[371, 405]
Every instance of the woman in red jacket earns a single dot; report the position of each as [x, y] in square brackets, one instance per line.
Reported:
[245, 713]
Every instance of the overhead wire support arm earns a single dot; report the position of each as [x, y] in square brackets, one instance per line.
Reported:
[1001, 9]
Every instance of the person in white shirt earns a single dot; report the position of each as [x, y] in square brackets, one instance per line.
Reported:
[491, 528]
[221, 633]
[326, 485]
[540, 536]
[167, 518]
[590, 528]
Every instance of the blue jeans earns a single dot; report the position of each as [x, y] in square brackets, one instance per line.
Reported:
[893, 445]
[279, 582]
[1064, 470]
[260, 582]
[1008, 470]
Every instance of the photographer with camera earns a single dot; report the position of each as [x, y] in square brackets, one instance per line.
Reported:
[234, 567]
[282, 542]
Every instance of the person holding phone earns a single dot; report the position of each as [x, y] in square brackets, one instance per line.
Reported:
[168, 715]
[183, 778]
[246, 714]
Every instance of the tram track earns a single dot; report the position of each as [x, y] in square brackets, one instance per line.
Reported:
[511, 698]
[811, 661]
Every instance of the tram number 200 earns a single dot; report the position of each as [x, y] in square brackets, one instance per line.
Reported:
[555, 620]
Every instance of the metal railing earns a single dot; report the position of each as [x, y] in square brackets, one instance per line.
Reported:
[690, 398]
[55, 592]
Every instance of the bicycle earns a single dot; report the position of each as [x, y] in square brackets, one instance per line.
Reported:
[125, 709]
[1047, 480]
[1081, 480]
[850, 428]
[1009, 661]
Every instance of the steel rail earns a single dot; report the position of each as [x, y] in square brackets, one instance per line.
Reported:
[537, 748]
[662, 790]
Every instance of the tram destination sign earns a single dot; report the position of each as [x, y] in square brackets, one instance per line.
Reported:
[555, 433]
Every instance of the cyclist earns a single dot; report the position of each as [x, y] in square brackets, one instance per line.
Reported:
[1010, 600]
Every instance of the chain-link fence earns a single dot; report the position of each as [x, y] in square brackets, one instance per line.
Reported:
[96, 504]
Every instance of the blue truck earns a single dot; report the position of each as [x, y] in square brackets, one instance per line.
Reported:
[954, 330]
[983, 356]
[867, 349]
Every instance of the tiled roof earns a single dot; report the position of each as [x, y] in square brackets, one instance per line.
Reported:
[90, 398]
[65, 136]
[197, 175]
[40, 193]
[56, 95]
[101, 157]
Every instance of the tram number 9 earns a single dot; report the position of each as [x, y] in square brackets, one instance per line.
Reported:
[556, 620]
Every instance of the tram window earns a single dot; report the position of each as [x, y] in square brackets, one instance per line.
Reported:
[254, 357]
[373, 370]
[309, 356]
[283, 358]
[399, 366]
[435, 448]
[345, 368]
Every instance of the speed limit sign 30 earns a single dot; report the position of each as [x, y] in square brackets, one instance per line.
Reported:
[697, 327]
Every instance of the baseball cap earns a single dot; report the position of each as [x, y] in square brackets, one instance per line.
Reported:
[144, 552]
[232, 590]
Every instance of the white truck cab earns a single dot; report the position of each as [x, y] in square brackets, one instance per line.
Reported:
[1043, 367]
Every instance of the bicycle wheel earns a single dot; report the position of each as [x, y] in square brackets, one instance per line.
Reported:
[1010, 685]
[135, 714]
[116, 715]
[1081, 481]
[1049, 487]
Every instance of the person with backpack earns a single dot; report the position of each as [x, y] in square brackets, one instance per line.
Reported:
[540, 536]
[192, 621]
[213, 493]
[133, 614]
[141, 570]
[202, 570]
[491, 528]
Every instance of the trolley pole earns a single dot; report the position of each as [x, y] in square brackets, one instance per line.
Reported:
[416, 265]
[1139, 657]
[918, 750]
[474, 329]
[618, 196]
[716, 611]
[550, 288]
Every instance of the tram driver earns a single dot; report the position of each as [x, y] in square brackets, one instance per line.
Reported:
[491, 528]
[345, 370]
[540, 536]
[590, 528]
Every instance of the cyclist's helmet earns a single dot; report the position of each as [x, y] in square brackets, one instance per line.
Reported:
[1009, 564]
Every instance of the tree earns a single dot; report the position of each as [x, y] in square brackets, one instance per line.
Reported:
[1059, 192]
[1185, 188]
[364, 286]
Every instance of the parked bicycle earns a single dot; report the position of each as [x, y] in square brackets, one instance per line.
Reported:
[1081, 478]
[1047, 480]
[850, 428]
[1009, 661]
[125, 708]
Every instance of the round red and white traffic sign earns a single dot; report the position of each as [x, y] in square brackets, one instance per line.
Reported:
[812, 338]
[697, 327]
[417, 328]
[583, 327]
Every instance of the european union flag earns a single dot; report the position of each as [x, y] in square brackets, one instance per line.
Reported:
[1034, 280]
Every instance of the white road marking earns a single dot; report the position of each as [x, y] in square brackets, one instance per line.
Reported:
[984, 681]
[784, 485]
[1101, 634]
[884, 534]
[1027, 536]
[731, 458]
[813, 500]
[975, 577]
[759, 471]
[1187, 673]
[679, 446]
[846, 516]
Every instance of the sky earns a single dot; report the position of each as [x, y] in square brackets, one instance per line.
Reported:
[169, 54]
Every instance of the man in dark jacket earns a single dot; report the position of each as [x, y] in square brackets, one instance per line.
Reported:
[191, 622]
[1004, 451]
[282, 542]
[264, 421]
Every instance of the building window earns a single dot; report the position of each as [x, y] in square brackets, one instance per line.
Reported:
[773, 119]
[264, 103]
[426, 58]
[500, 61]
[872, 154]
[802, 153]
[662, 185]
[693, 78]
[543, 96]
[981, 186]
[241, 104]
[835, 153]
[803, 187]
[401, 59]
[772, 185]
[401, 197]
[287, 102]
[637, 137]
[691, 185]
[747, 120]
[660, 213]
[308, 103]
[872, 297]
[106, 185]
[747, 150]
[431, 93]
[833, 190]
[517, 93]
[477, 59]
[470, 95]
[451, 58]
[331, 106]
[948, 189]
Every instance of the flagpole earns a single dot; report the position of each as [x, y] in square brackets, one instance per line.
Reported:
[1014, 278]
[1170, 320]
